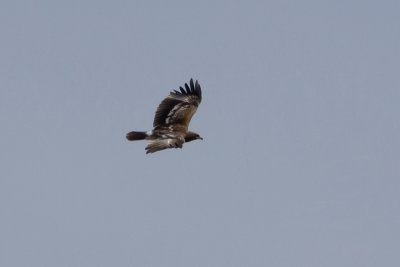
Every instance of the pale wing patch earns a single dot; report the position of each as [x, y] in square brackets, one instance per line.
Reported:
[178, 113]
[160, 144]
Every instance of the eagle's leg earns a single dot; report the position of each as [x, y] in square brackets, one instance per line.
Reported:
[179, 143]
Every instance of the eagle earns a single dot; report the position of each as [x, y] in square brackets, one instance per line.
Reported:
[171, 121]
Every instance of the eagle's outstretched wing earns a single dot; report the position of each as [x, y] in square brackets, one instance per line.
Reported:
[179, 107]
[161, 144]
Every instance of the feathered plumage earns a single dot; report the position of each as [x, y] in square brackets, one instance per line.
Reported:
[171, 121]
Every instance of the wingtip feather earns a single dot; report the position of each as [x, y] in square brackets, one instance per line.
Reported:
[187, 88]
[191, 86]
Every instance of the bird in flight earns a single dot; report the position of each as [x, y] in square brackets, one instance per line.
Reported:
[172, 119]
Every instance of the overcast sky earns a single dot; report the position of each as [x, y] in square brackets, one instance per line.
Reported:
[300, 118]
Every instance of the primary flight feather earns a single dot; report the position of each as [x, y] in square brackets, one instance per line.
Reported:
[171, 122]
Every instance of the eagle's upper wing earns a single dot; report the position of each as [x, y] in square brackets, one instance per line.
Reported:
[179, 107]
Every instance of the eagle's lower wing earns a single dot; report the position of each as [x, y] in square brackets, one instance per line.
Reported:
[161, 144]
[179, 107]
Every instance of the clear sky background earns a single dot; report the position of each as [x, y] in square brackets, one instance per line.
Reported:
[300, 117]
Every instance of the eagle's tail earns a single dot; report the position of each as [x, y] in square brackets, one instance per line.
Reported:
[133, 136]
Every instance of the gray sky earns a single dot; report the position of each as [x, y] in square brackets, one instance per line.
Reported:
[300, 119]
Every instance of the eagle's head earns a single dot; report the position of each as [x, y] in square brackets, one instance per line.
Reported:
[190, 136]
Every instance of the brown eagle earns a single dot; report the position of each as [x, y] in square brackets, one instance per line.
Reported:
[172, 120]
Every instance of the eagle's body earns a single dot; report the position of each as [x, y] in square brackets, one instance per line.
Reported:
[172, 119]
